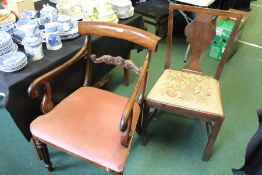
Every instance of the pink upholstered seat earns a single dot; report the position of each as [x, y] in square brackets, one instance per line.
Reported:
[80, 124]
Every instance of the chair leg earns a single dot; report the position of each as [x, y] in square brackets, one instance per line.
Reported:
[143, 138]
[211, 139]
[43, 153]
[37, 152]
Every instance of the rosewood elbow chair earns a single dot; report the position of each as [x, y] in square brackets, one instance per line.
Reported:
[93, 124]
[190, 92]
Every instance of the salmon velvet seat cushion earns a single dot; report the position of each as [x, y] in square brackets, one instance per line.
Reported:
[87, 124]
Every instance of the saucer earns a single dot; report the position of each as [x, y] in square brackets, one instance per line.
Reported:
[13, 61]
[14, 69]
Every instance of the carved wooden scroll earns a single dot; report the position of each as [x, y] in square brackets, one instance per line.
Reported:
[118, 61]
[199, 35]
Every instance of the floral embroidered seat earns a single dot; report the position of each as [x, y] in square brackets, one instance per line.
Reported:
[187, 90]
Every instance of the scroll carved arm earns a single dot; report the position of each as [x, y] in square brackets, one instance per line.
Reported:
[118, 61]
[43, 81]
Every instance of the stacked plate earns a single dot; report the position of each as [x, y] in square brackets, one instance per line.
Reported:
[66, 7]
[105, 13]
[12, 62]
[6, 17]
[89, 10]
[54, 1]
[6, 43]
[123, 8]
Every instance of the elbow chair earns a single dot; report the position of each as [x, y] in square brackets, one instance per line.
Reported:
[190, 92]
[92, 124]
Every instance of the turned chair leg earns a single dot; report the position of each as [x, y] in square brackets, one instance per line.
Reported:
[37, 152]
[145, 121]
[214, 130]
[43, 153]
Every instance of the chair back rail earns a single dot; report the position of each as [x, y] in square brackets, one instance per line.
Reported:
[121, 31]
[198, 38]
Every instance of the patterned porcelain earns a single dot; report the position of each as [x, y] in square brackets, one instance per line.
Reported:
[18, 35]
[49, 12]
[6, 43]
[9, 28]
[65, 23]
[53, 39]
[71, 34]
[29, 14]
[13, 61]
[33, 48]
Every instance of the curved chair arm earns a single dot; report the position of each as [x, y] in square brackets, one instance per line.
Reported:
[33, 90]
[126, 120]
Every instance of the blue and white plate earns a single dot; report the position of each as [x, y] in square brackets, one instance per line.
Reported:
[13, 61]
[14, 69]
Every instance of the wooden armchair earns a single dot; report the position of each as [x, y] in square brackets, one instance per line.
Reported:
[93, 124]
[189, 92]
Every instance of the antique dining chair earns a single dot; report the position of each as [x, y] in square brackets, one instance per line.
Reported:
[93, 124]
[190, 92]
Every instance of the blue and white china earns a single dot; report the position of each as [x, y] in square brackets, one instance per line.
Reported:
[49, 12]
[26, 26]
[9, 28]
[19, 35]
[71, 34]
[33, 48]
[52, 34]
[65, 23]
[29, 29]
[6, 43]
[29, 14]
[42, 21]
[23, 21]
[12, 62]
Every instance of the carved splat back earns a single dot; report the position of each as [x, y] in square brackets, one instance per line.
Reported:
[198, 39]
[135, 35]
[199, 34]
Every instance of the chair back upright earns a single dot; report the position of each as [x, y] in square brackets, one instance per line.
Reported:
[199, 34]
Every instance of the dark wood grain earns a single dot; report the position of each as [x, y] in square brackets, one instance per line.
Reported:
[135, 35]
[199, 39]
[117, 61]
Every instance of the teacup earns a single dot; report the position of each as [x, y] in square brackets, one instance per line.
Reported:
[52, 34]
[9, 28]
[33, 48]
[65, 23]
[29, 14]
